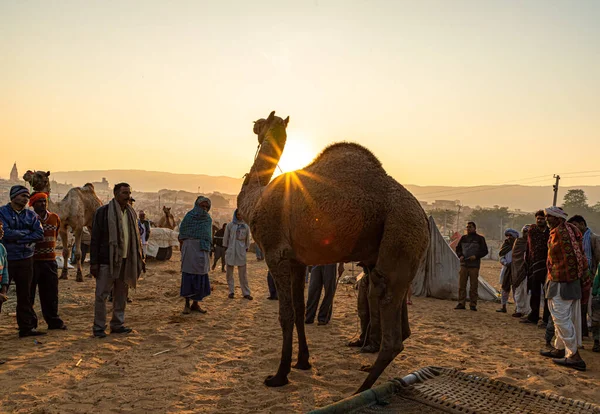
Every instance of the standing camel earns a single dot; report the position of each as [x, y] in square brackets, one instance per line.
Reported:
[342, 207]
[167, 221]
[76, 210]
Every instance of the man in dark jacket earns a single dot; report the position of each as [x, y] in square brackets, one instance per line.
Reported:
[22, 229]
[115, 258]
[219, 249]
[470, 249]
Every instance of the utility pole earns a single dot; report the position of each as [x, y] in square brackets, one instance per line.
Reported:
[555, 188]
[458, 217]
[501, 228]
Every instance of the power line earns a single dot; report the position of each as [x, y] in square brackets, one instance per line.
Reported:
[455, 191]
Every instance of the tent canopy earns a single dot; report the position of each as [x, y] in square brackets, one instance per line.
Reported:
[438, 277]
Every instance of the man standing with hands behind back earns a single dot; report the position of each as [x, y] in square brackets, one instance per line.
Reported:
[470, 250]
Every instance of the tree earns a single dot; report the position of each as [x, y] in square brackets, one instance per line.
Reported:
[444, 218]
[575, 200]
[491, 221]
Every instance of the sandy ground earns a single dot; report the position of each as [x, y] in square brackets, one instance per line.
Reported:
[217, 362]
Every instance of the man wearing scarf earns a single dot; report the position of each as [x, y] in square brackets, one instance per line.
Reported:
[567, 265]
[506, 258]
[195, 237]
[536, 257]
[115, 258]
[237, 241]
[591, 247]
[519, 275]
[22, 229]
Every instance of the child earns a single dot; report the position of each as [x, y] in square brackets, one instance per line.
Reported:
[3, 273]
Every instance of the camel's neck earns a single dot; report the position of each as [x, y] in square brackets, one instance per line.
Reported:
[262, 170]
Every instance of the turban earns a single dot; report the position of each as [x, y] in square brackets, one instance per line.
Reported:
[511, 232]
[36, 197]
[16, 190]
[556, 212]
[525, 228]
[202, 199]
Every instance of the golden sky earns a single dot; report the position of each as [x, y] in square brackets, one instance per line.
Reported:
[443, 92]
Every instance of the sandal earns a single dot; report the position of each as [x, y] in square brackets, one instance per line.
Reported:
[569, 363]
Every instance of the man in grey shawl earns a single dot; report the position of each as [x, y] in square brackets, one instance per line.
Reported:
[115, 258]
[506, 256]
[519, 275]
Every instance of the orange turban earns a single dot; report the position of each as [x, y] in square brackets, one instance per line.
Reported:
[37, 196]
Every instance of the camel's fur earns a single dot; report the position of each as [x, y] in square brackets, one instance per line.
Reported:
[342, 207]
[167, 221]
[76, 210]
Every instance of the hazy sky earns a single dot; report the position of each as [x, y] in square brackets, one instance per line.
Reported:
[444, 92]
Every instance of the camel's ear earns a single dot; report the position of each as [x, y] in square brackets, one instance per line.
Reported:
[271, 116]
[28, 175]
[47, 173]
[286, 121]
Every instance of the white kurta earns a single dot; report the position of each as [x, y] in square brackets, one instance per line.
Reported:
[237, 241]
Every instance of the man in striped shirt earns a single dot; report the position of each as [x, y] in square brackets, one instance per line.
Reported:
[45, 268]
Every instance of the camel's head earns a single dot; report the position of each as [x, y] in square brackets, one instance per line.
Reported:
[38, 180]
[167, 210]
[272, 127]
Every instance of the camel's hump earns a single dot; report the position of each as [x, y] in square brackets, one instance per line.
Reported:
[346, 147]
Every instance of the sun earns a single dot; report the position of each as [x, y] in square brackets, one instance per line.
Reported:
[298, 153]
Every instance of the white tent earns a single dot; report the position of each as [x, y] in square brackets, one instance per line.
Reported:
[439, 276]
[161, 238]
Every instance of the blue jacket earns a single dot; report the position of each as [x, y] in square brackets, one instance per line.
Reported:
[21, 231]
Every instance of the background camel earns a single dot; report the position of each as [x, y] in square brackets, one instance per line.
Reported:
[167, 221]
[76, 210]
[342, 207]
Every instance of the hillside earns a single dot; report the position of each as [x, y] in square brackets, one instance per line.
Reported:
[526, 198]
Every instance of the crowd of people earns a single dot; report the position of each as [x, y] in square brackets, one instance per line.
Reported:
[554, 265]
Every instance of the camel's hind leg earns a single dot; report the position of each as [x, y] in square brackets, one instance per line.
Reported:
[298, 272]
[280, 270]
[64, 237]
[391, 277]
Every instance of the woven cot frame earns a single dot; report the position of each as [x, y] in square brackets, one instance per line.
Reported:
[453, 391]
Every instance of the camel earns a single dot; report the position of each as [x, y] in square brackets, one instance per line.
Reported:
[76, 210]
[167, 221]
[342, 207]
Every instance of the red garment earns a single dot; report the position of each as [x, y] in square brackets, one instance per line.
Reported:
[566, 260]
[44, 250]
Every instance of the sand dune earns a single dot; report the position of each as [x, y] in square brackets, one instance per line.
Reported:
[217, 362]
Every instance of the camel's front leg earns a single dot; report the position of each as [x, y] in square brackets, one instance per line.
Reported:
[281, 275]
[64, 237]
[78, 232]
[298, 274]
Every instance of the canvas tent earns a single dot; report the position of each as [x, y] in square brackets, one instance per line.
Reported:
[438, 277]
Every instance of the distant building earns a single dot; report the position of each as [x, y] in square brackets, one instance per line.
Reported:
[14, 174]
[101, 186]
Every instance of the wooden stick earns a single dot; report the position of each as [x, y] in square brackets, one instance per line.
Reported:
[162, 352]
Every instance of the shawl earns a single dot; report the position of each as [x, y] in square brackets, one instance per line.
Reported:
[587, 245]
[116, 241]
[519, 265]
[566, 261]
[505, 251]
[537, 242]
[197, 225]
